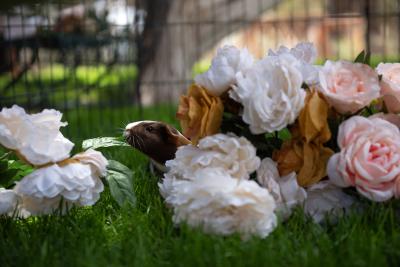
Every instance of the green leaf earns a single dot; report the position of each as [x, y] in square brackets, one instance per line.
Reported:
[119, 179]
[360, 57]
[7, 176]
[367, 58]
[284, 134]
[103, 142]
[3, 165]
[16, 170]
[363, 57]
[5, 155]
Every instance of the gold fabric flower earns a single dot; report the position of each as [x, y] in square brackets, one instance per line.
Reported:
[305, 153]
[308, 160]
[199, 113]
[313, 119]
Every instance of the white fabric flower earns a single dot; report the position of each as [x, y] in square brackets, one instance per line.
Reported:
[36, 137]
[222, 73]
[306, 53]
[219, 204]
[285, 190]
[326, 199]
[8, 201]
[74, 182]
[348, 86]
[236, 155]
[270, 93]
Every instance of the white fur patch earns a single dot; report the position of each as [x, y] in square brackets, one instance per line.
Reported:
[136, 123]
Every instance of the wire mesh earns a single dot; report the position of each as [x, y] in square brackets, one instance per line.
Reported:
[90, 58]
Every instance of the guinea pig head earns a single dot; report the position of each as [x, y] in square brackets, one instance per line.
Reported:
[157, 140]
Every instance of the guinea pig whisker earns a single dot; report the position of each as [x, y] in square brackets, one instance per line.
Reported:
[130, 140]
[133, 141]
[142, 143]
[137, 143]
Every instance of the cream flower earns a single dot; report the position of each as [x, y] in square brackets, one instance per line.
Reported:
[270, 93]
[390, 88]
[222, 73]
[369, 157]
[326, 199]
[306, 53]
[75, 181]
[348, 86]
[8, 201]
[285, 190]
[37, 137]
[219, 204]
[236, 155]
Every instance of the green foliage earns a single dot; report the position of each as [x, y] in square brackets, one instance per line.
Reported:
[119, 180]
[100, 142]
[59, 86]
[119, 176]
[12, 170]
[363, 57]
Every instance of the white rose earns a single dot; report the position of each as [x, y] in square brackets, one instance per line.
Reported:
[326, 199]
[270, 93]
[306, 53]
[285, 190]
[75, 182]
[222, 73]
[236, 155]
[37, 137]
[8, 201]
[222, 205]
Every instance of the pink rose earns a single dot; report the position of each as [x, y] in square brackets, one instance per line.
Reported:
[390, 85]
[390, 117]
[348, 86]
[369, 158]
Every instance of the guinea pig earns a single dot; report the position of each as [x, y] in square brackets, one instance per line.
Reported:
[156, 139]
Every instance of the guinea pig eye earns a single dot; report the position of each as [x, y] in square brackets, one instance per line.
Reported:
[149, 128]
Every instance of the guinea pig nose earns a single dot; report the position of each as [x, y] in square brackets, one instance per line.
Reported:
[127, 132]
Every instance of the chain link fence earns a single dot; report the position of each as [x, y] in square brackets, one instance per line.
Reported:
[115, 56]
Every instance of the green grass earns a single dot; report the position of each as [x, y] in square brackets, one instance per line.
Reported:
[60, 86]
[107, 235]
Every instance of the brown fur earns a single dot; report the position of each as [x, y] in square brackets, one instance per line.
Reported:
[157, 140]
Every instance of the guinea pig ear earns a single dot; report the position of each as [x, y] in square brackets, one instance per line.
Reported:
[175, 137]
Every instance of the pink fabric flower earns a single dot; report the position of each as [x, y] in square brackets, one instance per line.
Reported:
[390, 85]
[369, 158]
[390, 117]
[348, 86]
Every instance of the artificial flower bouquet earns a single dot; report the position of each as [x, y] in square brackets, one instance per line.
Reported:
[45, 179]
[279, 132]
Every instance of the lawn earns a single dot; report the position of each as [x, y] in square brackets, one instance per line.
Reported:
[107, 235]
[65, 87]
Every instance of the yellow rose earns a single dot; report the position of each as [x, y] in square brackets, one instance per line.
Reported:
[313, 119]
[308, 160]
[305, 153]
[199, 113]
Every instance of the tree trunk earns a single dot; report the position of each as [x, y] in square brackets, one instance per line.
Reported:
[178, 32]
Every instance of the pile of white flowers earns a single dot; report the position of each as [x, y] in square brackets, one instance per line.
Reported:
[269, 89]
[209, 186]
[58, 180]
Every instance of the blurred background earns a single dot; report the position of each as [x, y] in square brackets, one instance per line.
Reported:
[104, 63]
